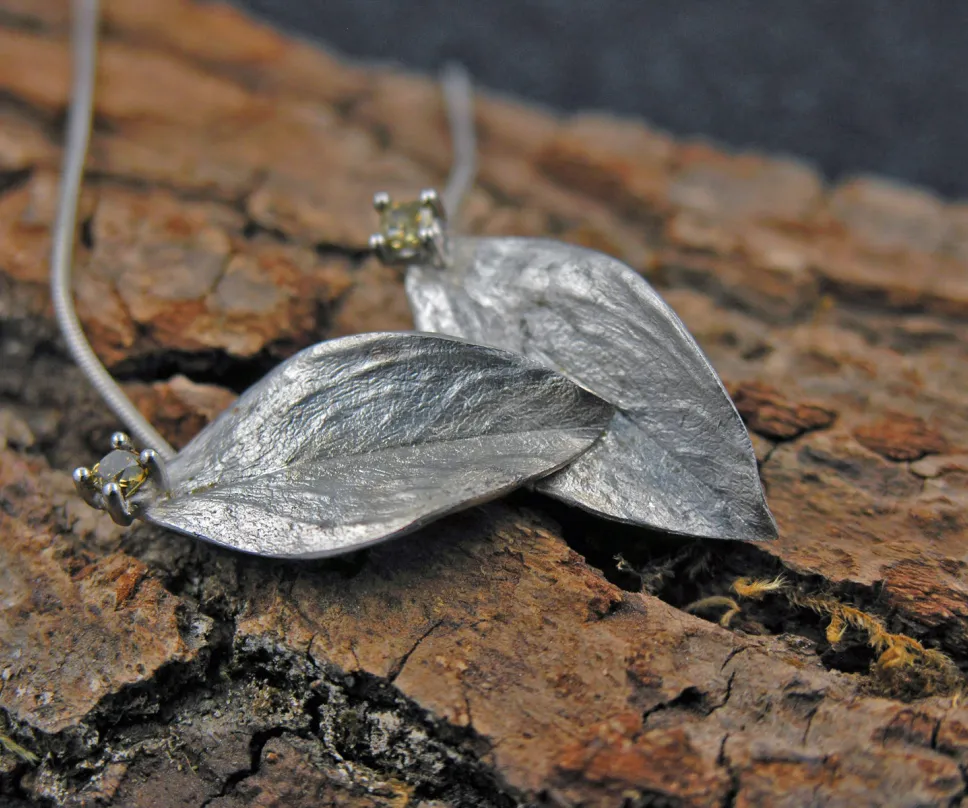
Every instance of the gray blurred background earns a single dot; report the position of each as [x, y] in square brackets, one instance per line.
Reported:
[853, 85]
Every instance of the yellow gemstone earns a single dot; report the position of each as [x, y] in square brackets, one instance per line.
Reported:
[121, 467]
[400, 225]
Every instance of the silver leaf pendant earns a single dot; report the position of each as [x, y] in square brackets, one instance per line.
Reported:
[355, 441]
[676, 456]
[346, 444]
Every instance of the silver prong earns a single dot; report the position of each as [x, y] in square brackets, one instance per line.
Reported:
[156, 467]
[434, 243]
[378, 242]
[84, 483]
[116, 505]
[429, 198]
[381, 201]
[119, 440]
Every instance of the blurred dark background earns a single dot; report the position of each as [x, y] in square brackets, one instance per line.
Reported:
[853, 85]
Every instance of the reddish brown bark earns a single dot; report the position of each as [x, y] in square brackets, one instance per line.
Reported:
[504, 655]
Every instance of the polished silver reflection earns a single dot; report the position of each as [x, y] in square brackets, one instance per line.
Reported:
[676, 455]
[357, 440]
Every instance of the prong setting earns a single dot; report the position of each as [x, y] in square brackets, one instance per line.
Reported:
[113, 481]
[154, 464]
[381, 201]
[120, 440]
[431, 200]
[116, 504]
[411, 232]
[85, 485]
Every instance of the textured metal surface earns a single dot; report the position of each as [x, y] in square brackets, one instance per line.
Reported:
[354, 441]
[676, 456]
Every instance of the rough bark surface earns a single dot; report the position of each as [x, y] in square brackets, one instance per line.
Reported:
[519, 653]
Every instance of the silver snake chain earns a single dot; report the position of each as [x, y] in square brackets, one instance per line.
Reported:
[458, 98]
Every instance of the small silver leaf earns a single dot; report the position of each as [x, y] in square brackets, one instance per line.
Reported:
[676, 456]
[356, 440]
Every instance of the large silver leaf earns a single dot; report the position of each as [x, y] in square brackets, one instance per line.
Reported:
[356, 440]
[676, 456]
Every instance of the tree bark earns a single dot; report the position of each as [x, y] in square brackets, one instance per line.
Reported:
[518, 653]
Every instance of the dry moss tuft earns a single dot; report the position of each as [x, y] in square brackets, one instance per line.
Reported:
[757, 589]
[716, 602]
[904, 668]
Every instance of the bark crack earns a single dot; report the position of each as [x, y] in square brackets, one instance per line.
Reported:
[256, 746]
[397, 668]
[723, 760]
